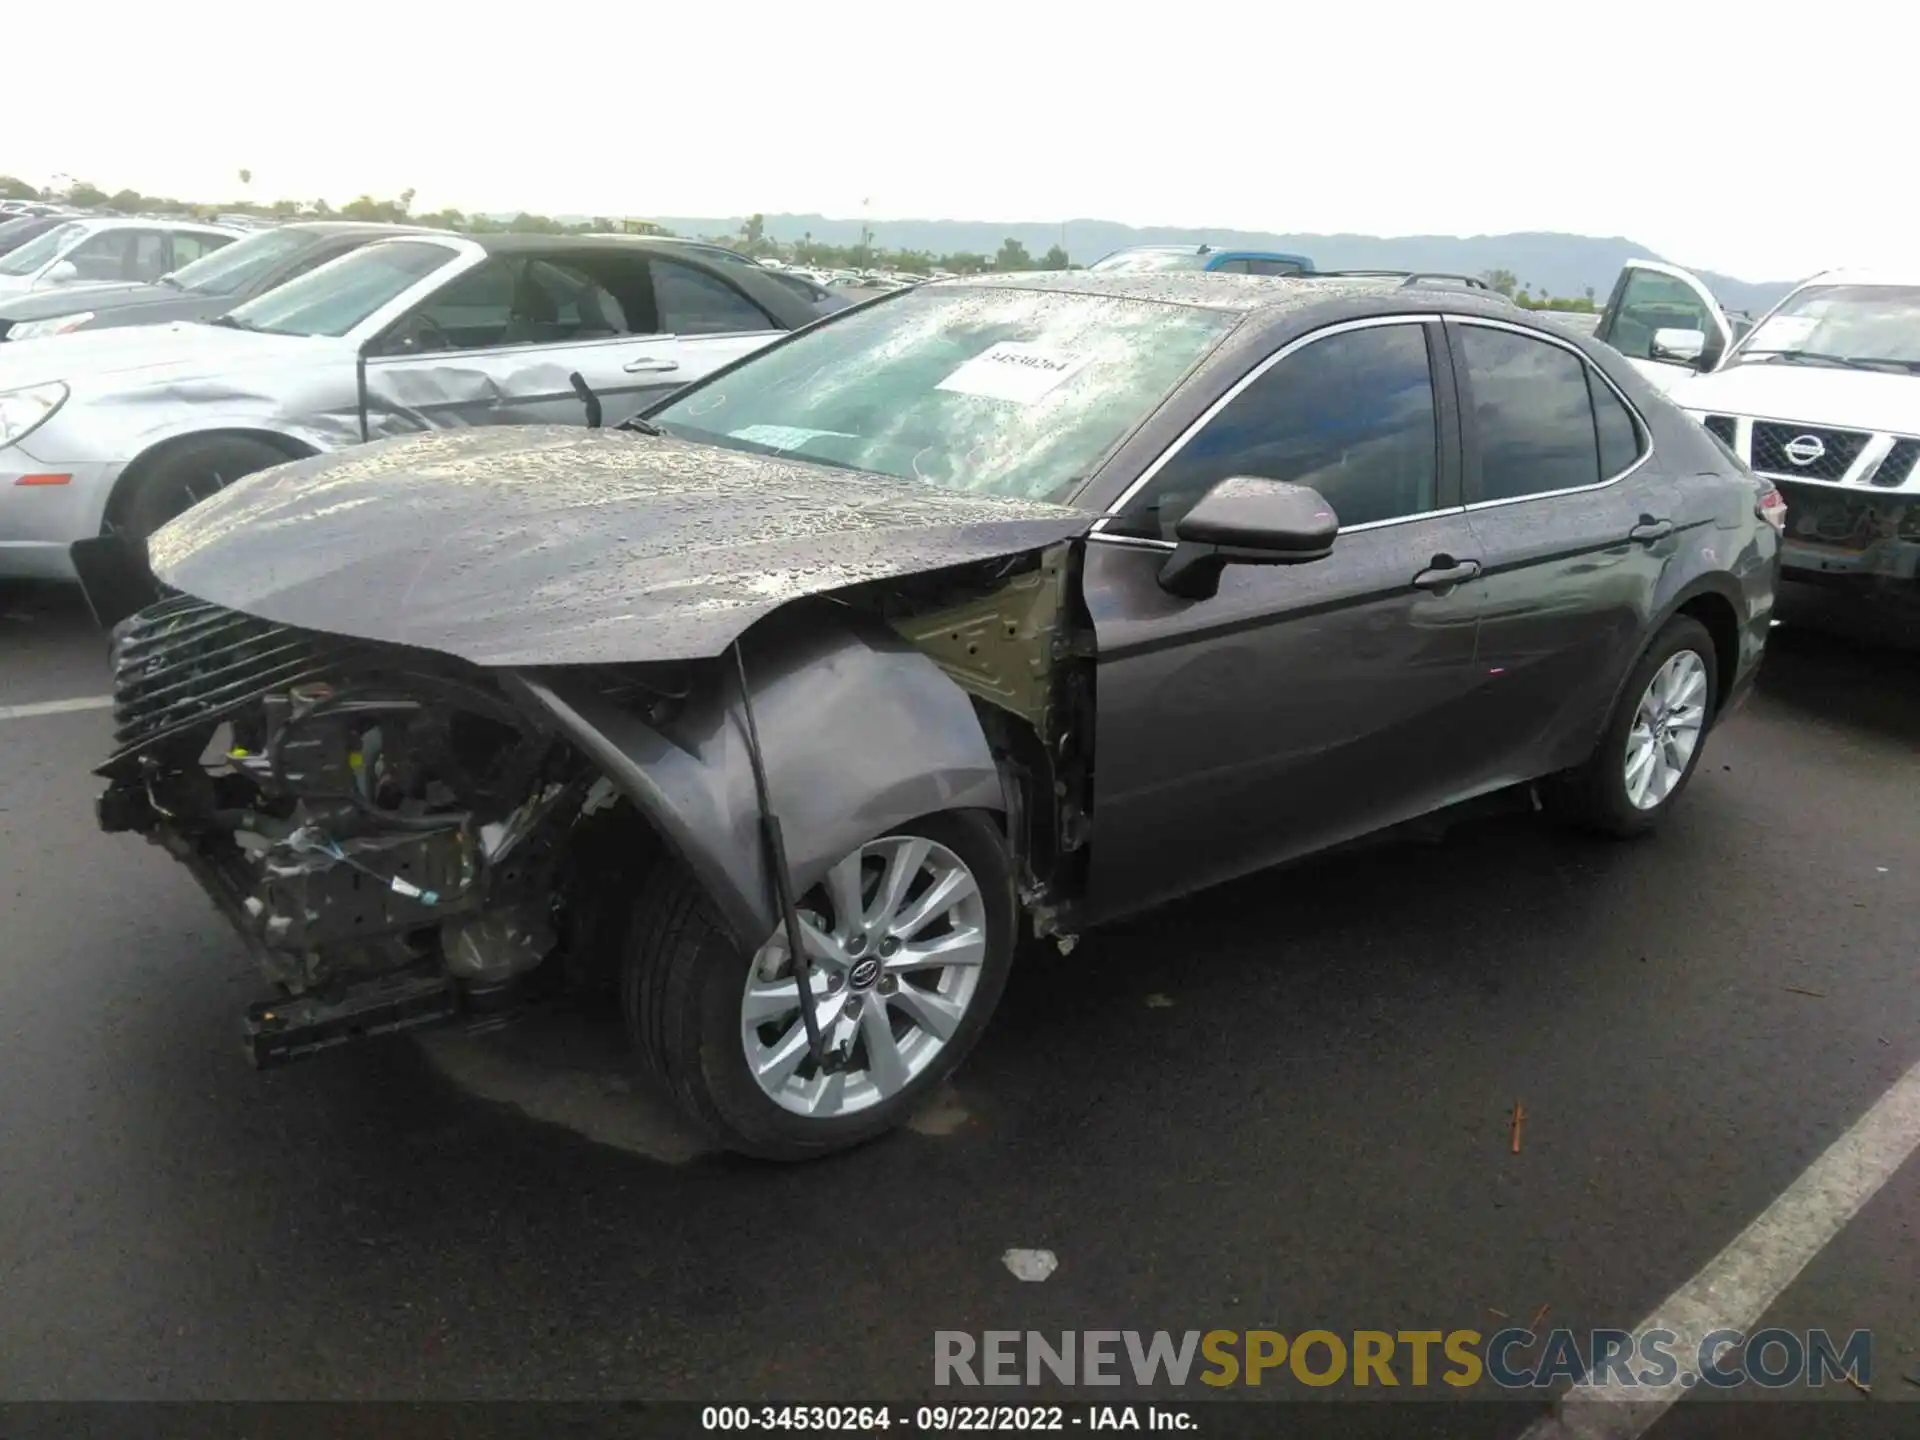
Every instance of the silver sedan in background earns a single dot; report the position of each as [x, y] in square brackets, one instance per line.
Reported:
[118, 431]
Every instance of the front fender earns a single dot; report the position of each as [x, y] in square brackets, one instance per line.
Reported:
[860, 732]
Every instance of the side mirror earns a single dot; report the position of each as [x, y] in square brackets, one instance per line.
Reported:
[63, 272]
[1247, 521]
[1684, 347]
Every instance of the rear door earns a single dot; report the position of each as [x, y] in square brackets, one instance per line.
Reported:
[1650, 296]
[704, 322]
[1573, 527]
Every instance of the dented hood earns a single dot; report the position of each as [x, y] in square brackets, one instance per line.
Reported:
[544, 545]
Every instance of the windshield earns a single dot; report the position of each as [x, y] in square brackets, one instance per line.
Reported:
[35, 253]
[232, 268]
[1877, 326]
[342, 293]
[1153, 258]
[1004, 392]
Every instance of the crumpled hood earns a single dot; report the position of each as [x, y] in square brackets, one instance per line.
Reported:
[146, 354]
[1806, 394]
[550, 545]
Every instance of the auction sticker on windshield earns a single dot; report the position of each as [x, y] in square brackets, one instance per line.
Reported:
[1013, 370]
[784, 437]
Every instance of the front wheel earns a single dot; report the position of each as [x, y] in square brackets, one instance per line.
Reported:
[1653, 739]
[909, 940]
[179, 478]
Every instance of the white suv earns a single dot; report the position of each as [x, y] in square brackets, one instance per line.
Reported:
[1821, 396]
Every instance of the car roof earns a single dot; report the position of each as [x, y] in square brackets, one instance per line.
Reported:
[514, 242]
[370, 228]
[1270, 295]
[1865, 275]
[95, 224]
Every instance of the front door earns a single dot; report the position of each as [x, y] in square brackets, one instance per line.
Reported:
[1650, 297]
[1301, 705]
[500, 344]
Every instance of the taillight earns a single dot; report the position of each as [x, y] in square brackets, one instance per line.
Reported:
[1772, 508]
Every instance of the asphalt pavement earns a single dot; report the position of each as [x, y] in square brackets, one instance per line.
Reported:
[1284, 1104]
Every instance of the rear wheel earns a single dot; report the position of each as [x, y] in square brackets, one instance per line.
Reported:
[184, 475]
[909, 940]
[1653, 740]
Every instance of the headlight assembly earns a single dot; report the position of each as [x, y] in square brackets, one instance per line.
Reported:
[58, 325]
[25, 410]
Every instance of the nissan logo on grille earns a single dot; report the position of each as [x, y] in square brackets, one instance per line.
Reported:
[1804, 449]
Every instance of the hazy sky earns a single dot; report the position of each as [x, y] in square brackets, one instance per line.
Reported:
[1749, 138]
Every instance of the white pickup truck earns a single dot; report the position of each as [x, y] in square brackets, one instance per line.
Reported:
[1821, 395]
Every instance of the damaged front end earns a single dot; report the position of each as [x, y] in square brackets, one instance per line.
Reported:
[381, 825]
[401, 835]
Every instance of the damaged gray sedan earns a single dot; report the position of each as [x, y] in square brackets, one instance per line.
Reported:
[985, 613]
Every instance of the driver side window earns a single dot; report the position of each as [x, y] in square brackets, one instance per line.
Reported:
[1652, 301]
[1351, 414]
[504, 303]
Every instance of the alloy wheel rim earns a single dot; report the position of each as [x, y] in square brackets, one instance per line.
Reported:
[1666, 729]
[896, 936]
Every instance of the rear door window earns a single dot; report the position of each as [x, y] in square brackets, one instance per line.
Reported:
[189, 246]
[1531, 414]
[1613, 423]
[692, 302]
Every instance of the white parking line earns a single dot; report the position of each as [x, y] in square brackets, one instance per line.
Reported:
[56, 707]
[1742, 1281]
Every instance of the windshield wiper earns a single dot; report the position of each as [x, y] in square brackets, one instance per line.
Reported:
[1847, 362]
[233, 324]
[170, 281]
[641, 427]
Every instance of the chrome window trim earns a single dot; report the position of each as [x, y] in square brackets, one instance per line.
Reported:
[1179, 442]
[1640, 421]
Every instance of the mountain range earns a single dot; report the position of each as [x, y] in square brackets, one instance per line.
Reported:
[1557, 264]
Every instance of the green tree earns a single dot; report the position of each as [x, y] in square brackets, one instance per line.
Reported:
[753, 231]
[1013, 256]
[405, 202]
[12, 188]
[86, 195]
[964, 262]
[127, 201]
[1055, 259]
[1503, 281]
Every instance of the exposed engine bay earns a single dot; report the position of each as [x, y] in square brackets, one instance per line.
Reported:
[401, 835]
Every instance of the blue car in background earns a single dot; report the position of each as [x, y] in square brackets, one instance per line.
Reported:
[1140, 258]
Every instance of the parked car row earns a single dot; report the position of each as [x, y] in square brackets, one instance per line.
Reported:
[780, 714]
[79, 252]
[305, 349]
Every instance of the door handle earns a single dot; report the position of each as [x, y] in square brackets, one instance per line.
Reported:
[650, 363]
[1446, 571]
[1650, 530]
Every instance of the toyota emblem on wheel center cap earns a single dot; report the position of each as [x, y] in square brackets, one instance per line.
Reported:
[864, 974]
[1804, 449]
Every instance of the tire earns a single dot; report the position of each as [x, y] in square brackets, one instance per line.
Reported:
[1597, 795]
[684, 993]
[186, 474]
